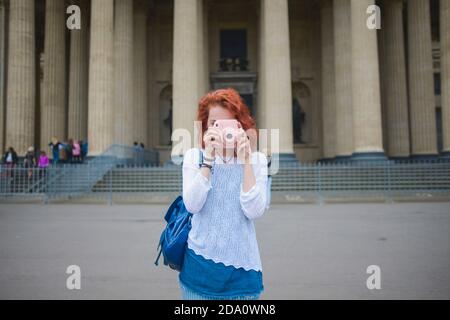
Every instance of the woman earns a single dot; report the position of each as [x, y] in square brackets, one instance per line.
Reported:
[224, 195]
[43, 160]
[76, 151]
[69, 151]
[11, 160]
[55, 145]
[29, 161]
[84, 149]
[43, 164]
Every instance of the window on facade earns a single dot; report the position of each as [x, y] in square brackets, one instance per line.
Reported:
[437, 84]
[233, 50]
[439, 129]
[248, 99]
[434, 12]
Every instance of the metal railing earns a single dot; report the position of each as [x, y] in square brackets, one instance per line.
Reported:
[111, 175]
[130, 156]
[70, 180]
[384, 179]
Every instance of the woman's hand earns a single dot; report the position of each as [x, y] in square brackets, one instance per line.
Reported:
[243, 149]
[213, 140]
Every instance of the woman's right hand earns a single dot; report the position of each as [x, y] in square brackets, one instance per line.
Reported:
[213, 140]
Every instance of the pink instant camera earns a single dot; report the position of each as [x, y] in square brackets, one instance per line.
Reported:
[229, 131]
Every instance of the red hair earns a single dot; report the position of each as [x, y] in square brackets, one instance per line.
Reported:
[229, 99]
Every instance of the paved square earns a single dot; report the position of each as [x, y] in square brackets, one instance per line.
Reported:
[308, 251]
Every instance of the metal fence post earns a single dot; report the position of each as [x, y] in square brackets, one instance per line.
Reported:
[110, 200]
[319, 184]
[45, 174]
[388, 182]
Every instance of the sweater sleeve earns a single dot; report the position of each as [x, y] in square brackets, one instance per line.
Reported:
[195, 184]
[253, 202]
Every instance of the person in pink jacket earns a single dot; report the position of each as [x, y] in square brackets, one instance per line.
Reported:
[43, 163]
[43, 160]
[76, 151]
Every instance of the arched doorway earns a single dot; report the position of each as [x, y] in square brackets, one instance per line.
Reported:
[165, 116]
[301, 113]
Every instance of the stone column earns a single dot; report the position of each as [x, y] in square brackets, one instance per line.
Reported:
[366, 100]
[21, 88]
[343, 78]
[2, 73]
[53, 109]
[381, 38]
[140, 99]
[123, 72]
[445, 73]
[187, 79]
[328, 85]
[78, 77]
[206, 11]
[395, 82]
[421, 89]
[153, 96]
[100, 96]
[276, 87]
[203, 54]
[261, 114]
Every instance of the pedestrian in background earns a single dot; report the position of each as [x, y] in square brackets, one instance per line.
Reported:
[10, 158]
[29, 161]
[84, 149]
[69, 151]
[136, 152]
[76, 151]
[55, 145]
[43, 164]
[43, 160]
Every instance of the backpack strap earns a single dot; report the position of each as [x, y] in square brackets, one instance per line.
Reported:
[200, 158]
[159, 255]
[160, 247]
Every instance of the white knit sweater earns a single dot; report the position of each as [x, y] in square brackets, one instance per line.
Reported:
[222, 226]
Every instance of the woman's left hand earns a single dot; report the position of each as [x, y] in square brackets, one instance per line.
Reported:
[243, 149]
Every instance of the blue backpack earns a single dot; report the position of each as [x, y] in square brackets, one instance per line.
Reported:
[173, 240]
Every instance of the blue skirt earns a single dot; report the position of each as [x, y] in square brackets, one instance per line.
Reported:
[202, 278]
[189, 294]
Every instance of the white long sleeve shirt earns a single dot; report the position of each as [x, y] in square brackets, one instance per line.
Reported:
[222, 224]
[196, 185]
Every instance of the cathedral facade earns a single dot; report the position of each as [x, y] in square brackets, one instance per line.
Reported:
[134, 70]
